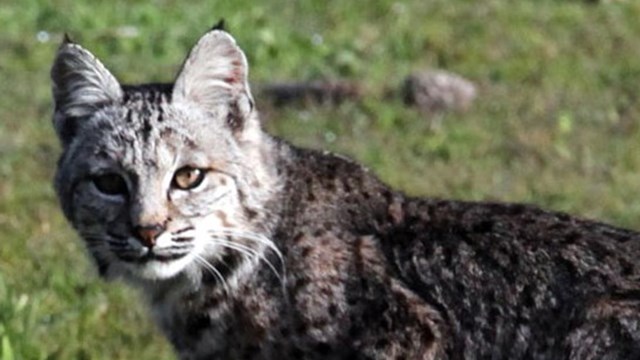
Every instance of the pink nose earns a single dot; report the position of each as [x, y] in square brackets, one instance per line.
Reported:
[148, 234]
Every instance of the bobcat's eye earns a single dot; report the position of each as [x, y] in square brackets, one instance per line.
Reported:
[110, 184]
[188, 178]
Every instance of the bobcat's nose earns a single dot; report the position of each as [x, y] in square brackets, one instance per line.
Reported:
[148, 234]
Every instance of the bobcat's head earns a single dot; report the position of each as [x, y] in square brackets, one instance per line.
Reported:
[161, 180]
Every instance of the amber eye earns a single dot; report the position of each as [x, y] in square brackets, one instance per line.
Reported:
[110, 184]
[188, 178]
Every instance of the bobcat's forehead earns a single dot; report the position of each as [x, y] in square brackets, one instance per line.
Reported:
[146, 129]
[145, 109]
[146, 118]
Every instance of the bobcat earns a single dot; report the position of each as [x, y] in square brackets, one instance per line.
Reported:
[247, 247]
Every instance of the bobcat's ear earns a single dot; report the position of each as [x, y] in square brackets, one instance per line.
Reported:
[215, 73]
[81, 85]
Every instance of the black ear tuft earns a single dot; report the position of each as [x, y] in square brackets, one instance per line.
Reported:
[219, 25]
[67, 39]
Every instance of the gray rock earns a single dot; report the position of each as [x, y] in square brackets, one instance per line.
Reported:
[438, 91]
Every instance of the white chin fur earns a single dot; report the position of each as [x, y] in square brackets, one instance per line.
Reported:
[159, 270]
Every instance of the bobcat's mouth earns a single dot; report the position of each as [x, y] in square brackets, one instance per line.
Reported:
[157, 263]
[132, 251]
[151, 255]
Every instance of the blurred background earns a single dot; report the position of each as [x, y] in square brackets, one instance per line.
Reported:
[555, 122]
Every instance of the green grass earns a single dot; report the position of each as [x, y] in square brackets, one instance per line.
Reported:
[555, 123]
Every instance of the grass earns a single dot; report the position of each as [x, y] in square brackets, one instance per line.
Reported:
[555, 123]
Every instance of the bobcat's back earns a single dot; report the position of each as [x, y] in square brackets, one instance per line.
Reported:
[514, 281]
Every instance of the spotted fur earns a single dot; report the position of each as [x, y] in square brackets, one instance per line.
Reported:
[282, 253]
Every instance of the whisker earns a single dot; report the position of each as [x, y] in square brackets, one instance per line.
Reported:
[261, 240]
[249, 252]
[252, 236]
[183, 230]
[117, 244]
[180, 247]
[212, 269]
[116, 236]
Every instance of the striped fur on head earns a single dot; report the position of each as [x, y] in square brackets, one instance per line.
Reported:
[128, 150]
